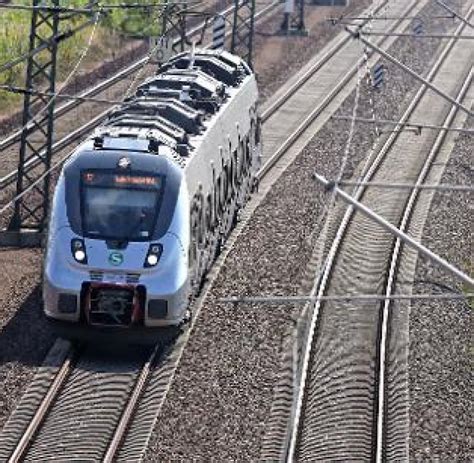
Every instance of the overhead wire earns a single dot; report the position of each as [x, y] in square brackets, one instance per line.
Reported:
[32, 185]
[311, 316]
[370, 82]
[344, 297]
[418, 126]
[412, 186]
[5, 207]
[35, 118]
[55, 39]
[90, 10]
[31, 91]
[70, 75]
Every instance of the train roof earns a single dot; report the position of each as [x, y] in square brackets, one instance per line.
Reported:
[173, 108]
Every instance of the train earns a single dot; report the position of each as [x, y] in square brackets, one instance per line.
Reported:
[144, 205]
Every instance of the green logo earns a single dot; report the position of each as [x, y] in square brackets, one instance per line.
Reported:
[116, 258]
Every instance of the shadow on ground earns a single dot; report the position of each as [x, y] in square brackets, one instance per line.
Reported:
[26, 338]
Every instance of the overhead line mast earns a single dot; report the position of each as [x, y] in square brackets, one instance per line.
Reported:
[30, 214]
[44, 27]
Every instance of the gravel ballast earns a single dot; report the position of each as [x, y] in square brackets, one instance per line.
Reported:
[24, 334]
[24, 337]
[441, 353]
[217, 407]
[222, 394]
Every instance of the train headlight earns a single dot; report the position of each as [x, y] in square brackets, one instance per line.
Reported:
[153, 255]
[78, 250]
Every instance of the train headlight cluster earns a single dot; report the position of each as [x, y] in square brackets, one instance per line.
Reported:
[153, 256]
[78, 250]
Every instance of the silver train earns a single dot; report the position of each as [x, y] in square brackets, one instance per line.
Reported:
[143, 206]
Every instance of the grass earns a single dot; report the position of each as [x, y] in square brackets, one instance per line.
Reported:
[109, 38]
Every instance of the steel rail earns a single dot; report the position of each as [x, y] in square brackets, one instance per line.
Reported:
[142, 379]
[100, 87]
[358, 35]
[61, 144]
[322, 106]
[67, 366]
[454, 13]
[141, 382]
[78, 133]
[394, 265]
[344, 40]
[127, 416]
[321, 284]
[45, 406]
[384, 223]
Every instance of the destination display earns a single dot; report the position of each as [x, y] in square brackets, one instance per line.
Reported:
[113, 179]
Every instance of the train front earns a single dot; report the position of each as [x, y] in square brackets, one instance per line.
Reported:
[117, 253]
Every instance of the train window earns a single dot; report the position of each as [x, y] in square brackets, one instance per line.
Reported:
[119, 207]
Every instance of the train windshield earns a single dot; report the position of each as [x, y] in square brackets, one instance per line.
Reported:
[119, 206]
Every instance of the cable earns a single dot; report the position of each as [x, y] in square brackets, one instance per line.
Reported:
[328, 207]
[335, 21]
[142, 68]
[343, 297]
[30, 91]
[103, 8]
[68, 78]
[410, 186]
[415, 125]
[32, 185]
[56, 39]
[35, 118]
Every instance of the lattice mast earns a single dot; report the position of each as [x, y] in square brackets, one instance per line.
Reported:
[174, 24]
[243, 29]
[31, 211]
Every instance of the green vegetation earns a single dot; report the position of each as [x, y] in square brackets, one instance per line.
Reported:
[108, 40]
[142, 22]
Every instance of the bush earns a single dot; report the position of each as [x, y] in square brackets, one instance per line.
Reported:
[14, 39]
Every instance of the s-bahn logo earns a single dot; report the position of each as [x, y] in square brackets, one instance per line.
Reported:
[115, 258]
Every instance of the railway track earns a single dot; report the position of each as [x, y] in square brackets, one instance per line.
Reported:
[324, 81]
[78, 133]
[148, 385]
[341, 408]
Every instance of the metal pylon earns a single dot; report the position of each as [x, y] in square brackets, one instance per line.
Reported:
[293, 18]
[243, 29]
[174, 24]
[31, 210]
